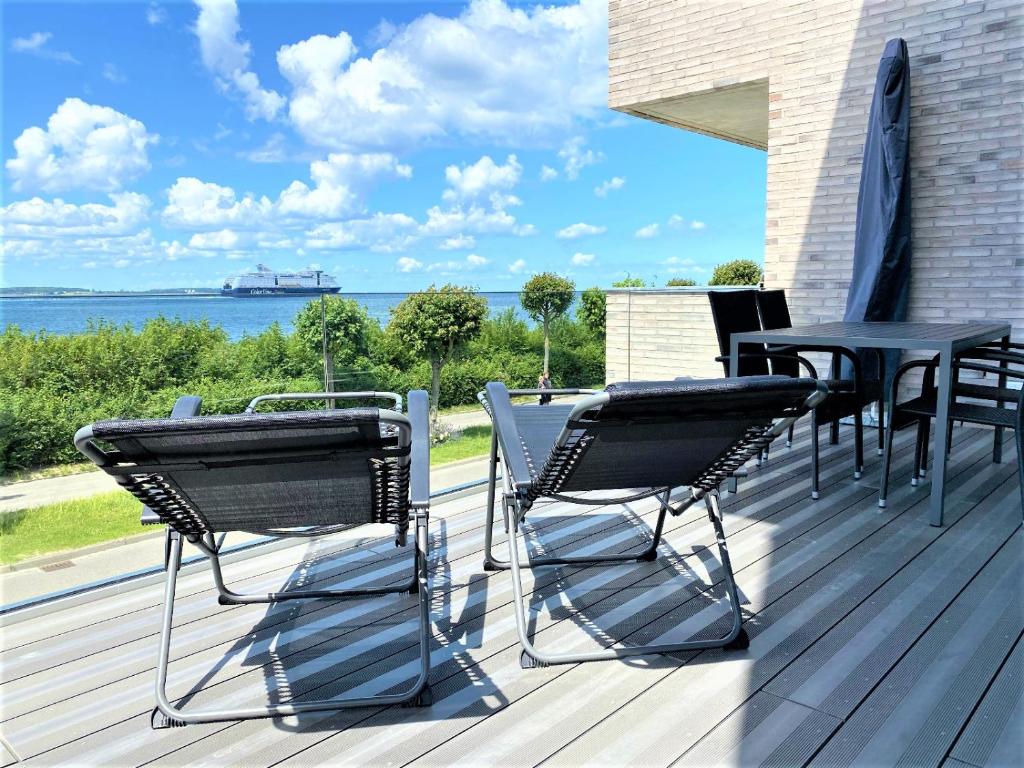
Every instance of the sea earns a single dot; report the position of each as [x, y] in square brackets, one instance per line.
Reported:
[237, 316]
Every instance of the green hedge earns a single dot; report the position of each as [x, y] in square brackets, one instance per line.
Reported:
[51, 385]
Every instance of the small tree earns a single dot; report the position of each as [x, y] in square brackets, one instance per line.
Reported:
[680, 282]
[545, 297]
[738, 272]
[435, 323]
[629, 282]
[348, 331]
[592, 310]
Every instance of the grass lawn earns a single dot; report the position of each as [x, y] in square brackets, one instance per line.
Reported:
[68, 525]
[474, 441]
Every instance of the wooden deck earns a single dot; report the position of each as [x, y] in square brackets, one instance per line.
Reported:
[876, 640]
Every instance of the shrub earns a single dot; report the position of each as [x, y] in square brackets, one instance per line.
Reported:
[592, 310]
[738, 272]
[680, 282]
[629, 282]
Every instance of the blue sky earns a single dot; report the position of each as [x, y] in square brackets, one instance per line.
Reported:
[392, 144]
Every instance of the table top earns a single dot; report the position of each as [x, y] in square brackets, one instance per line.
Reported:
[888, 335]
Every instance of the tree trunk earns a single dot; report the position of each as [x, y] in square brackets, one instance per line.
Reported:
[547, 345]
[435, 388]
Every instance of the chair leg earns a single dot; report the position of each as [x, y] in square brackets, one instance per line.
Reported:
[167, 715]
[858, 444]
[886, 458]
[789, 437]
[736, 638]
[814, 455]
[921, 451]
[833, 432]
[492, 563]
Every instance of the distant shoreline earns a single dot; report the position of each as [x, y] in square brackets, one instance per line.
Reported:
[111, 295]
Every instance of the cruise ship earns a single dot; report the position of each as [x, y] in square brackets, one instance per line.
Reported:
[266, 282]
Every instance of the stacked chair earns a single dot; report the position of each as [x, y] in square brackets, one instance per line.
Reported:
[984, 405]
[751, 310]
[635, 440]
[299, 473]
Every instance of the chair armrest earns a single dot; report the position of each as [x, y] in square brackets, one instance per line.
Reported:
[776, 355]
[563, 391]
[504, 425]
[1011, 372]
[419, 469]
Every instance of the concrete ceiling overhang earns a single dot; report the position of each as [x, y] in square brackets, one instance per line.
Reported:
[736, 112]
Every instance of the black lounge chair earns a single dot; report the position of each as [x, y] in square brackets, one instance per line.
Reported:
[300, 473]
[647, 437]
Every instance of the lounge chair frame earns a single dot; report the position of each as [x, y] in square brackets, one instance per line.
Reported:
[516, 503]
[413, 434]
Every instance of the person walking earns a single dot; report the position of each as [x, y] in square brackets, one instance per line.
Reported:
[544, 382]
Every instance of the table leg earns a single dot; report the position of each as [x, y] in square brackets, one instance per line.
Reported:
[943, 398]
[734, 357]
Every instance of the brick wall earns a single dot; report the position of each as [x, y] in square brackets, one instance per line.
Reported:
[821, 57]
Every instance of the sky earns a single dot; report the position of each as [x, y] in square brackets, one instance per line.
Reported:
[395, 145]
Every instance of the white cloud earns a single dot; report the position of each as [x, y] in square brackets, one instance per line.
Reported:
[227, 57]
[491, 73]
[582, 259]
[459, 219]
[646, 233]
[273, 150]
[517, 266]
[382, 232]
[196, 204]
[547, 173]
[408, 264]
[697, 225]
[675, 221]
[83, 146]
[156, 15]
[113, 74]
[616, 182]
[576, 157]
[458, 243]
[334, 194]
[470, 262]
[579, 230]
[481, 177]
[36, 44]
[223, 240]
[38, 218]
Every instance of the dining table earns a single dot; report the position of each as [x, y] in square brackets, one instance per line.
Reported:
[945, 340]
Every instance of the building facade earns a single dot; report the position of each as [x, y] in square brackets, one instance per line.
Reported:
[795, 78]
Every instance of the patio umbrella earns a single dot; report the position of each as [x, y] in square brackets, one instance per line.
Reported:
[881, 252]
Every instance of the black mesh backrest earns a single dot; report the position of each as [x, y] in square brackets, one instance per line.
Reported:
[774, 312]
[668, 434]
[259, 472]
[736, 312]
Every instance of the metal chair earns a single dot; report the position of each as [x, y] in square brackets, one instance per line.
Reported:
[300, 473]
[648, 437]
[922, 408]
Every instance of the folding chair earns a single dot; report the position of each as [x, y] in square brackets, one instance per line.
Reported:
[647, 437]
[299, 473]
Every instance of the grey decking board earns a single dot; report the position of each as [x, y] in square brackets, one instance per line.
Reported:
[792, 623]
[994, 735]
[518, 684]
[912, 715]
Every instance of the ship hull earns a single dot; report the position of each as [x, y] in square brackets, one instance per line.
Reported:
[259, 293]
